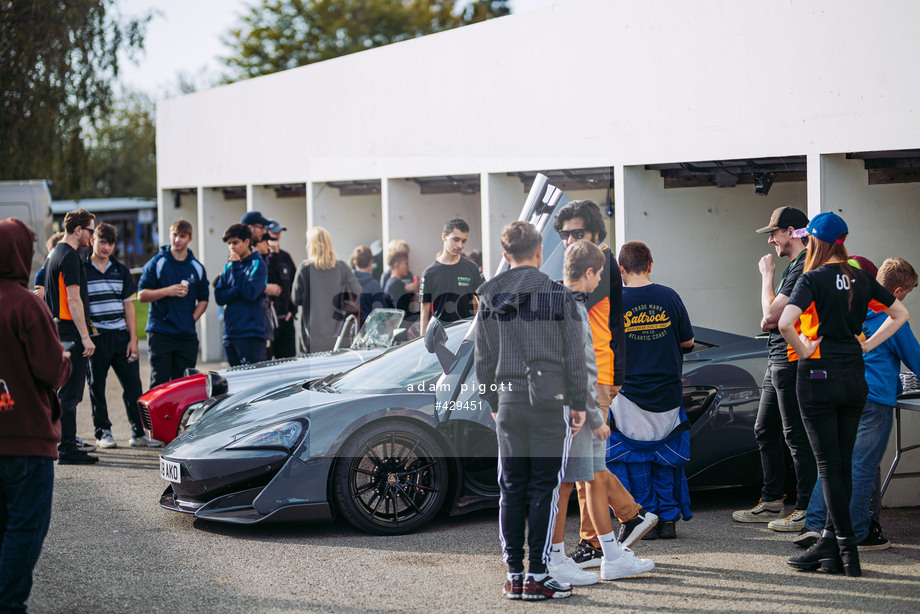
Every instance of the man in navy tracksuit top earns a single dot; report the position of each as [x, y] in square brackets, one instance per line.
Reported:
[239, 289]
[177, 286]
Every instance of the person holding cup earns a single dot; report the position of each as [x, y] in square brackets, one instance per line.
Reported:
[172, 340]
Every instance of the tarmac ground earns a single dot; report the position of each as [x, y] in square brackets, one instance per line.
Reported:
[111, 548]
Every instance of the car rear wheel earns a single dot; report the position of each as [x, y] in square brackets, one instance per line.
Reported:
[390, 479]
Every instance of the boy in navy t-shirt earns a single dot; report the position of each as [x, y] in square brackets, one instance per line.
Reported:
[647, 450]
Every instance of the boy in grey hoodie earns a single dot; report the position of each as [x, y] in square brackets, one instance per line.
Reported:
[525, 317]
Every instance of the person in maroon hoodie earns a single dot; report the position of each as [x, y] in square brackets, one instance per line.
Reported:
[32, 365]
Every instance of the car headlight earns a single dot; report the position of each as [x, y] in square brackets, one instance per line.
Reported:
[285, 435]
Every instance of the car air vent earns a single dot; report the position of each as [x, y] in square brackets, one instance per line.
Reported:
[697, 400]
[276, 361]
[145, 415]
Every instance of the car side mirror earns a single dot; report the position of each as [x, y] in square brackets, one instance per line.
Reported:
[435, 343]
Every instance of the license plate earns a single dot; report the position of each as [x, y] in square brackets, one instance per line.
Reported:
[170, 471]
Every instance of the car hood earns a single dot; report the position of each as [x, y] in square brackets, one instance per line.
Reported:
[309, 366]
[252, 411]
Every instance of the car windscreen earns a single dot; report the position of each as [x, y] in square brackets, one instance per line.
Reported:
[397, 370]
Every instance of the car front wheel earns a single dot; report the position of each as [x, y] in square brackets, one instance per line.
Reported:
[390, 479]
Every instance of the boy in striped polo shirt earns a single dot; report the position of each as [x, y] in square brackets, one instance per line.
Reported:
[111, 293]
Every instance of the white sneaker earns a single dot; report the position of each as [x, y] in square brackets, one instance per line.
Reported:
[764, 511]
[83, 446]
[570, 573]
[106, 441]
[145, 442]
[793, 522]
[628, 564]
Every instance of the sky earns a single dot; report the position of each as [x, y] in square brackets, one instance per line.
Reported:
[184, 36]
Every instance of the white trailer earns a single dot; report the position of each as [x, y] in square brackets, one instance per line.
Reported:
[30, 201]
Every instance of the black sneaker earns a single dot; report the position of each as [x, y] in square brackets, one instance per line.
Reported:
[514, 587]
[586, 555]
[874, 540]
[547, 588]
[805, 538]
[633, 530]
[668, 530]
[77, 457]
[654, 533]
[84, 446]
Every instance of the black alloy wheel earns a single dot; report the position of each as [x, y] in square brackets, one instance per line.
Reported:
[390, 478]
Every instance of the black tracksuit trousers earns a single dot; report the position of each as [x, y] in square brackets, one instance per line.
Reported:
[532, 445]
[111, 351]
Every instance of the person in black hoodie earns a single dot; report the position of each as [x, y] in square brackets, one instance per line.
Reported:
[281, 270]
[32, 365]
[526, 317]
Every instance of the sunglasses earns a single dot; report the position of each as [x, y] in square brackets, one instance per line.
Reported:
[575, 233]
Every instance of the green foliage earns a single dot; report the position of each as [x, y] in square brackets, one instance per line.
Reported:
[58, 63]
[140, 313]
[122, 158]
[276, 35]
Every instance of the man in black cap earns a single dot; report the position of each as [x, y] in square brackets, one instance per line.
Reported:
[281, 271]
[778, 415]
[257, 223]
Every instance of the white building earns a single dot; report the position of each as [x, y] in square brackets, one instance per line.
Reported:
[645, 106]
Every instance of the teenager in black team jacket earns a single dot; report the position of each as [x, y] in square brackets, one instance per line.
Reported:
[828, 307]
[525, 314]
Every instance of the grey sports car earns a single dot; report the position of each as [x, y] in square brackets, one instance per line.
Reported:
[390, 443]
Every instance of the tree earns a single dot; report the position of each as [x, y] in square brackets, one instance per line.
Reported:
[121, 152]
[58, 64]
[280, 34]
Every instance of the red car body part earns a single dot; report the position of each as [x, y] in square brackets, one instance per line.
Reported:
[162, 407]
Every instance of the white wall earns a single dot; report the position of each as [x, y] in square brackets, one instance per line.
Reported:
[713, 79]
[704, 245]
[350, 220]
[502, 200]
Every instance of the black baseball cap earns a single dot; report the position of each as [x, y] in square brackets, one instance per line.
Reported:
[251, 218]
[784, 217]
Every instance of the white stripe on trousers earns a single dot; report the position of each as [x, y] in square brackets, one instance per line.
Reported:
[555, 502]
[554, 508]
